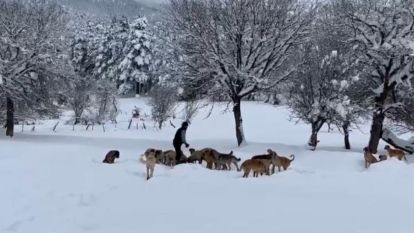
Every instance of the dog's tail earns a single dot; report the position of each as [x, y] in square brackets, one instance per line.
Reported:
[293, 157]
[143, 159]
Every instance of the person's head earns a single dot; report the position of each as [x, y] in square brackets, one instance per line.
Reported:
[185, 125]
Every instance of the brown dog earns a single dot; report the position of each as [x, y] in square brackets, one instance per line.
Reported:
[170, 158]
[399, 154]
[267, 159]
[111, 156]
[280, 161]
[195, 156]
[369, 158]
[210, 156]
[151, 160]
[253, 164]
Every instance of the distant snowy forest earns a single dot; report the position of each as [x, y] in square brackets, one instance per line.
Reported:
[338, 63]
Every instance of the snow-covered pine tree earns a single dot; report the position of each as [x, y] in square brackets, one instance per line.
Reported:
[86, 90]
[124, 54]
[110, 49]
[136, 56]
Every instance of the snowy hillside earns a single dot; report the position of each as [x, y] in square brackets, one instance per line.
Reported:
[55, 182]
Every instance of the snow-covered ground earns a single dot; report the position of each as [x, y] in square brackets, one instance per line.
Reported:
[54, 182]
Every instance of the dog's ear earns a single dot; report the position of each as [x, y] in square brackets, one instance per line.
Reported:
[231, 153]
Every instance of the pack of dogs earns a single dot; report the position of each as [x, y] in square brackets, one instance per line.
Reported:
[392, 153]
[262, 164]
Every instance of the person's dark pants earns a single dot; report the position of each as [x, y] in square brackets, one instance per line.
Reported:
[178, 153]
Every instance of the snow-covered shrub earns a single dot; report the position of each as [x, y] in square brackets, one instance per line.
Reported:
[319, 91]
[163, 100]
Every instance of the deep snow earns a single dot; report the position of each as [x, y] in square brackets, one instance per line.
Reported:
[55, 181]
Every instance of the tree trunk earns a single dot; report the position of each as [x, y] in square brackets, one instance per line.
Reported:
[10, 117]
[379, 116]
[313, 141]
[78, 113]
[316, 126]
[345, 127]
[376, 131]
[239, 121]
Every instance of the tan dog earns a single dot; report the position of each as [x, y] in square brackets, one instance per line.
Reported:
[399, 154]
[159, 155]
[151, 160]
[280, 161]
[369, 158]
[111, 156]
[170, 158]
[195, 156]
[224, 161]
[268, 160]
[253, 164]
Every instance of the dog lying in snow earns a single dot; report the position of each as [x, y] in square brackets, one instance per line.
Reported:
[111, 156]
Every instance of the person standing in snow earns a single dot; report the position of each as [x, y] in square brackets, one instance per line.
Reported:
[179, 139]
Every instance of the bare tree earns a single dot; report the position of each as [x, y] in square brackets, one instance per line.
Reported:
[318, 93]
[383, 34]
[163, 100]
[241, 46]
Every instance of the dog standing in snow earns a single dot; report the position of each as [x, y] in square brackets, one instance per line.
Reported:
[280, 161]
[195, 155]
[399, 154]
[169, 156]
[253, 164]
[267, 160]
[369, 158]
[150, 161]
[224, 161]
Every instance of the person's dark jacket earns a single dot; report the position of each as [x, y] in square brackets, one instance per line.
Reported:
[179, 137]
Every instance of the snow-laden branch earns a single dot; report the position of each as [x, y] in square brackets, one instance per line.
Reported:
[391, 138]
